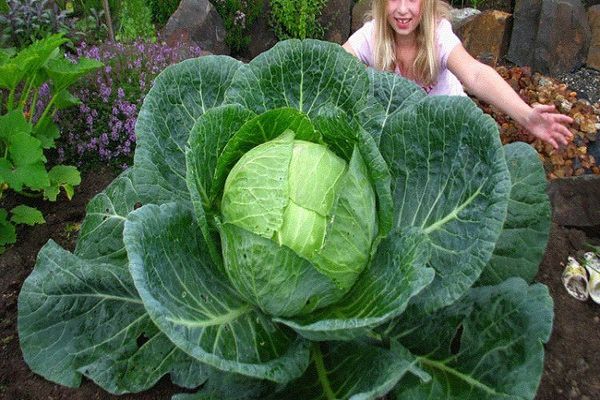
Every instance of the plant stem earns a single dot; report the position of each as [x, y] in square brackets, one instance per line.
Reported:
[25, 94]
[33, 104]
[46, 111]
[321, 372]
[11, 99]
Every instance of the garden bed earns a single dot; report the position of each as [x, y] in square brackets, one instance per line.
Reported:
[572, 354]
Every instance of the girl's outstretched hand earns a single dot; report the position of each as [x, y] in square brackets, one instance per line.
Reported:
[546, 124]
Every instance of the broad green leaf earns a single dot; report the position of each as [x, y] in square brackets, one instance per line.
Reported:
[333, 124]
[222, 385]
[488, 345]
[8, 235]
[194, 305]
[33, 176]
[449, 178]
[23, 214]
[83, 317]
[13, 123]
[522, 243]
[346, 249]
[396, 274]
[25, 150]
[391, 93]
[207, 140]
[65, 99]
[64, 176]
[101, 234]
[32, 58]
[46, 131]
[11, 74]
[180, 95]
[305, 75]
[64, 73]
[263, 128]
[273, 277]
[348, 370]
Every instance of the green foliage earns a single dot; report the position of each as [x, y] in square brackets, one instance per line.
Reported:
[162, 10]
[84, 7]
[26, 132]
[135, 21]
[238, 17]
[296, 18]
[26, 21]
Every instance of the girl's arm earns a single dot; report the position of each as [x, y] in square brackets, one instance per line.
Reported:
[486, 84]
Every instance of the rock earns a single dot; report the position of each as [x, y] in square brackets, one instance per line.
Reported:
[460, 16]
[197, 21]
[486, 36]
[563, 36]
[359, 14]
[526, 19]
[575, 201]
[336, 19]
[551, 36]
[593, 56]
[261, 34]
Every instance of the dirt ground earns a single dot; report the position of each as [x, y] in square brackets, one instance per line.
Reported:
[571, 369]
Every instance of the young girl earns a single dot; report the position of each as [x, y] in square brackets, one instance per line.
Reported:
[414, 39]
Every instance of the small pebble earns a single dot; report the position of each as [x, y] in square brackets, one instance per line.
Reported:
[596, 319]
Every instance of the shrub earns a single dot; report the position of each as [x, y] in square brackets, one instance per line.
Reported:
[135, 21]
[101, 128]
[296, 18]
[162, 10]
[238, 17]
[29, 20]
[27, 128]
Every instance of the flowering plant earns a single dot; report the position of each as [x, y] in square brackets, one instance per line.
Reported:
[101, 128]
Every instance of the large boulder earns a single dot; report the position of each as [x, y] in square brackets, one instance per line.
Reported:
[197, 21]
[461, 16]
[336, 18]
[551, 36]
[262, 37]
[359, 13]
[486, 35]
[593, 57]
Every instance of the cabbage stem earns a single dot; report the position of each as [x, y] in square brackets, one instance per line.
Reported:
[321, 372]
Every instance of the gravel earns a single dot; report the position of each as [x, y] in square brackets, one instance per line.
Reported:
[584, 81]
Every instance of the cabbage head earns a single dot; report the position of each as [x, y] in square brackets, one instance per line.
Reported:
[302, 227]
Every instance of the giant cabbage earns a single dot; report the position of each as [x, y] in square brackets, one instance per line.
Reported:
[302, 227]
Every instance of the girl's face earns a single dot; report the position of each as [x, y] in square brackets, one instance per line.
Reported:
[404, 16]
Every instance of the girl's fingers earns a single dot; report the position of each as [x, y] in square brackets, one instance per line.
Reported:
[545, 107]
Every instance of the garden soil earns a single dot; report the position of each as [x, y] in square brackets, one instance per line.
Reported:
[572, 357]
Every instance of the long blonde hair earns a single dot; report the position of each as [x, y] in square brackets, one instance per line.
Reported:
[426, 66]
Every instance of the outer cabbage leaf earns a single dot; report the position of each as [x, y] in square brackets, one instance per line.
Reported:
[449, 178]
[194, 304]
[382, 291]
[342, 137]
[488, 345]
[83, 317]
[207, 139]
[305, 75]
[101, 234]
[348, 370]
[391, 93]
[180, 95]
[524, 236]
